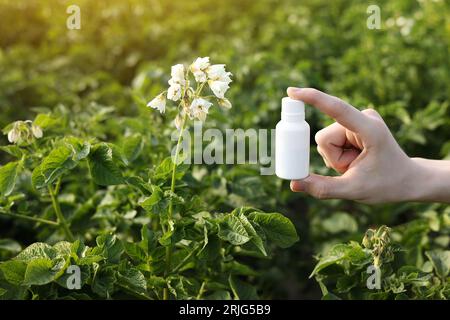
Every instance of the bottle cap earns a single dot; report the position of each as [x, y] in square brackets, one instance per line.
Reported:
[291, 107]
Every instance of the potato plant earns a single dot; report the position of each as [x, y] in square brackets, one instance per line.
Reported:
[375, 269]
[94, 193]
[92, 167]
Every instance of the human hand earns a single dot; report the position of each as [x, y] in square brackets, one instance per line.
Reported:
[360, 146]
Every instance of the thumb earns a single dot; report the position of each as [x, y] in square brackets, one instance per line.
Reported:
[322, 187]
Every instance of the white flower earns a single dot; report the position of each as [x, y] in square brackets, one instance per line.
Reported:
[24, 132]
[225, 103]
[158, 103]
[193, 105]
[177, 74]
[37, 131]
[13, 135]
[201, 63]
[174, 91]
[199, 108]
[217, 72]
[198, 68]
[176, 82]
[219, 88]
[219, 79]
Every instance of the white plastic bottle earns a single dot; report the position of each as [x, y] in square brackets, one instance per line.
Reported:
[292, 141]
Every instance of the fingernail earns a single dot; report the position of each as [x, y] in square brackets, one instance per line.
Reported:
[296, 186]
[292, 90]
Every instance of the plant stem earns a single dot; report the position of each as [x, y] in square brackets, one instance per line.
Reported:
[165, 294]
[174, 169]
[201, 291]
[61, 220]
[170, 210]
[181, 264]
[58, 186]
[25, 217]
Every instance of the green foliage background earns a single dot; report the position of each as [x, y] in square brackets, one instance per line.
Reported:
[100, 77]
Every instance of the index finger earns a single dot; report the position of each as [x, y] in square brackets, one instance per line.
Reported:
[345, 114]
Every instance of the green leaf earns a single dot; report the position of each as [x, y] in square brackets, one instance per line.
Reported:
[164, 170]
[103, 169]
[80, 148]
[8, 176]
[255, 238]
[132, 147]
[235, 267]
[148, 240]
[211, 250]
[46, 121]
[135, 251]
[78, 249]
[157, 260]
[232, 230]
[155, 282]
[35, 251]
[352, 252]
[37, 178]
[277, 228]
[90, 259]
[13, 271]
[346, 283]
[112, 247]
[156, 203]
[12, 292]
[138, 183]
[63, 248]
[41, 271]
[133, 280]
[242, 290]
[440, 260]
[336, 254]
[176, 286]
[103, 282]
[38, 272]
[58, 162]
[13, 150]
[166, 238]
[172, 236]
